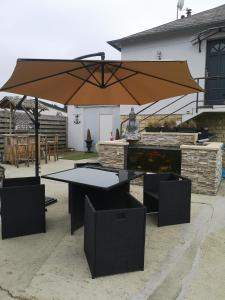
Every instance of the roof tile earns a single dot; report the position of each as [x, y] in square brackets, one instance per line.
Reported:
[207, 18]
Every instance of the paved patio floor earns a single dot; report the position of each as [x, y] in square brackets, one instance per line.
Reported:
[181, 262]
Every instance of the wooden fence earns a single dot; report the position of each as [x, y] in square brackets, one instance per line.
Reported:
[49, 125]
[4, 127]
[52, 125]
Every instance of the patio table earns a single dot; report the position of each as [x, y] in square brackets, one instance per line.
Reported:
[100, 182]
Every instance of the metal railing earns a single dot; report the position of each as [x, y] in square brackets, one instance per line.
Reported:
[207, 103]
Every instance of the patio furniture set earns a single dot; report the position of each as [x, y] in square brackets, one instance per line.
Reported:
[99, 199]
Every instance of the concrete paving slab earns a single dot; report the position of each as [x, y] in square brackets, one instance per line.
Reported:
[181, 262]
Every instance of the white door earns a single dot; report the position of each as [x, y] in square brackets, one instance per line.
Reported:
[106, 127]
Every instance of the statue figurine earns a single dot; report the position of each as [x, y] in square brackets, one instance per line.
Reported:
[132, 128]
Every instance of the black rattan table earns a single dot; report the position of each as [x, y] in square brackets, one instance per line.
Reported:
[99, 182]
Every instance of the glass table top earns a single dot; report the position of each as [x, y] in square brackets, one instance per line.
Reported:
[94, 177]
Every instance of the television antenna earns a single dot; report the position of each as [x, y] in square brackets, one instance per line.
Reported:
[180, 5]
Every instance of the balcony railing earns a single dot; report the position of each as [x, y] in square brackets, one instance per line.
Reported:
[201, 100]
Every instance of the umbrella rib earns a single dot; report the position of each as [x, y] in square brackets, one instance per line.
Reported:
[92, 73]
[85, 80]
[132, 96]
[77, 90]
[160, 78]
[112, 73]
[42, 78]
[119, 80]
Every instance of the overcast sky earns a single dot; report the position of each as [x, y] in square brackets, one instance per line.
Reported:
[70, 28]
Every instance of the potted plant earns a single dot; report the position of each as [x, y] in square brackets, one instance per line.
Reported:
[192, 126]
[117, 136]
[189, 126]
[169, 125]
[183, 127]
[153, 126]
[89, 141]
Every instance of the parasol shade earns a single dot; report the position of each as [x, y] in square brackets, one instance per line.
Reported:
[94, 82]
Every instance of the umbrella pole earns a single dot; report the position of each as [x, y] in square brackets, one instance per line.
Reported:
[36, 126]
[48, 200]
[34, 119]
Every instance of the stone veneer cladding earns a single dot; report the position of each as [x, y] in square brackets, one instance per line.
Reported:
[215, 122]
[111, 154]
[168, 138]
[202, 164]
[203, 167]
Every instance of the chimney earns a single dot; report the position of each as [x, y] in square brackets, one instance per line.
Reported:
[188, 12]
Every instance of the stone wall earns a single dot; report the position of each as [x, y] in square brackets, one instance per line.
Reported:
[216, 124]
[203, 165]
[154, 119]
[165, 139]
[168, 138]
[111, 154]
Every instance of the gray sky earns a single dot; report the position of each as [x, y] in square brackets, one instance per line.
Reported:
[70, 28]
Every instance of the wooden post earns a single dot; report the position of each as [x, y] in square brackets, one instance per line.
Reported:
[10, 119]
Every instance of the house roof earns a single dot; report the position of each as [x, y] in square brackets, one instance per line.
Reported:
[202, 20]
[7, 101]
[54, 106]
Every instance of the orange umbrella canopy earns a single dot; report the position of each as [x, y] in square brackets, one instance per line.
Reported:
[94, 82]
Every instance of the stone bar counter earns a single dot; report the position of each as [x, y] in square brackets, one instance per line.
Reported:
[203, 165]
[168, 138]
[112, 153]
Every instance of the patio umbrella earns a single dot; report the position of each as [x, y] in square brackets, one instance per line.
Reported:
[98, 82]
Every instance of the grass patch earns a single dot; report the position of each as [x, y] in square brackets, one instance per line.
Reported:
[80, 155]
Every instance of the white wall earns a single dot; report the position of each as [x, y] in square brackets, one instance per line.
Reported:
[54, 112]
[89, 117]
[172, 47]
[75, 131]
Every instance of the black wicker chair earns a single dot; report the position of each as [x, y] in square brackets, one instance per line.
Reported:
[86, 164]
[114, 235]
[168, 195]
[22, 206]
[2, 173]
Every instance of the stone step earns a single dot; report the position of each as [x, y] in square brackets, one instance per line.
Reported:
[205, 106]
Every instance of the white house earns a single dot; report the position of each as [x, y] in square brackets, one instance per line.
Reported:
[199, 39]
[53, 109]
[101, 120]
